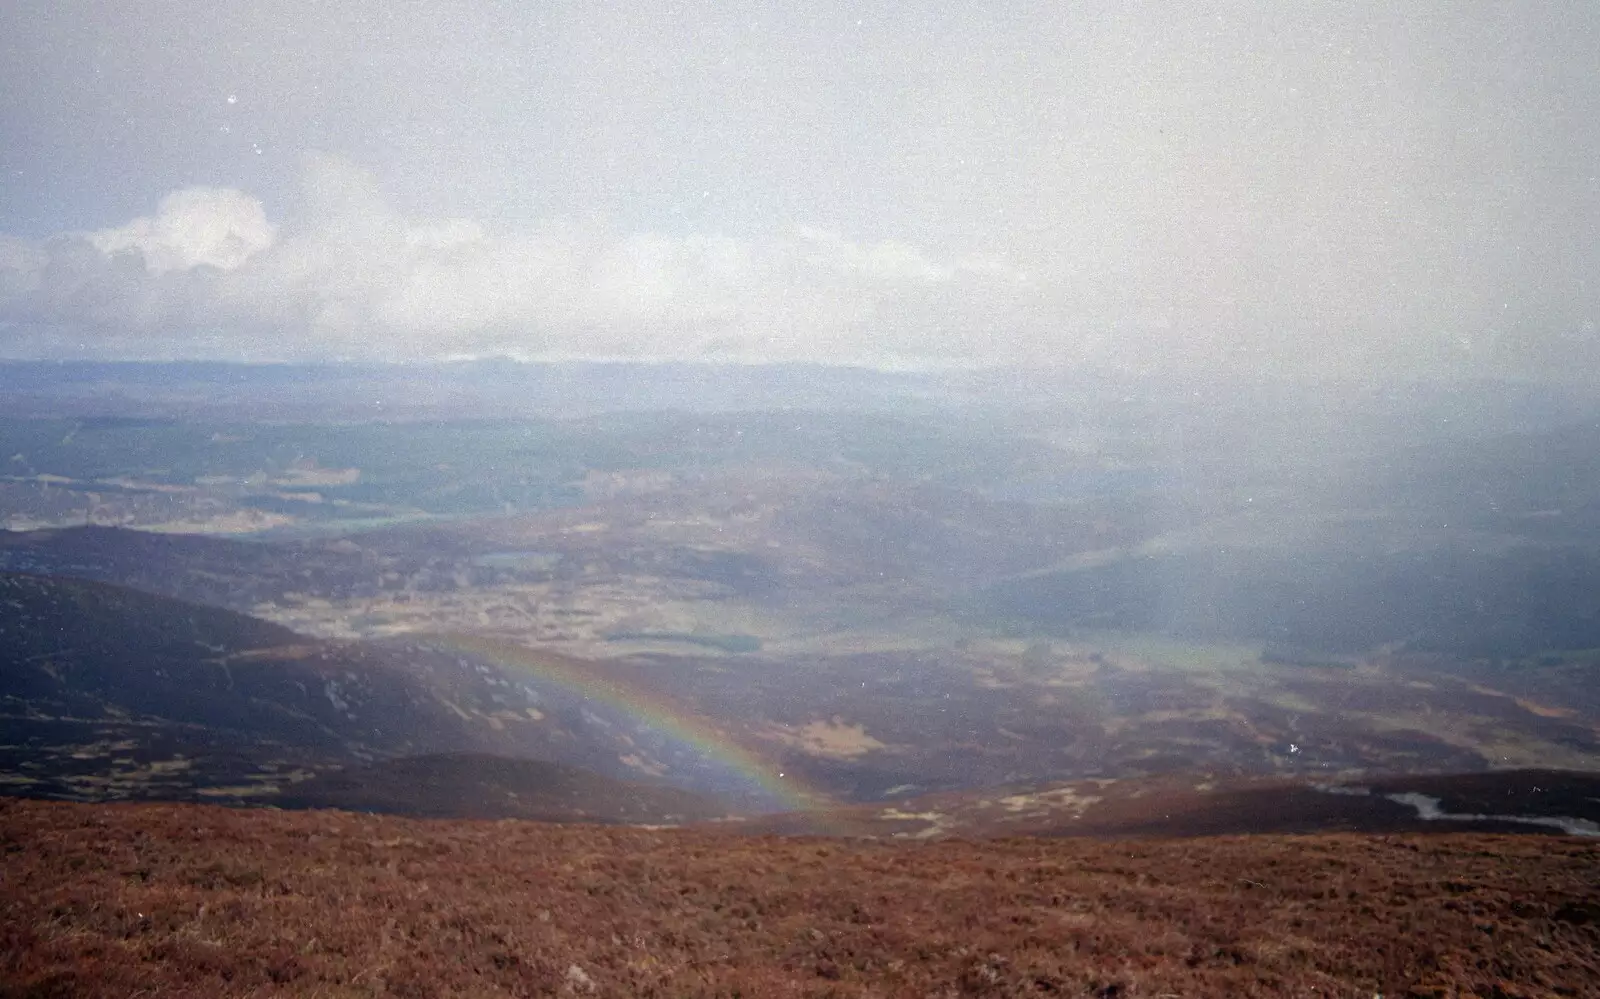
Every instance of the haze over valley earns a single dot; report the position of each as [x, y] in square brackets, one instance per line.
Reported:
[886, 588]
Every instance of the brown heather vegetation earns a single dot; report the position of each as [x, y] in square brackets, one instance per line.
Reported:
[184, 900]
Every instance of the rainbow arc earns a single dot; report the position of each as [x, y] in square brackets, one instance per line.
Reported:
[645, 707]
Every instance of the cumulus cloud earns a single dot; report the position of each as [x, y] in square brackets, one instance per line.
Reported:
[198, 226]
[349, 275]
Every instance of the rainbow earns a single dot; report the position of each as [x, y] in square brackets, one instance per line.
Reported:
[648, 708]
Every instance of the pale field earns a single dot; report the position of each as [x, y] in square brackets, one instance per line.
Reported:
[833, 739]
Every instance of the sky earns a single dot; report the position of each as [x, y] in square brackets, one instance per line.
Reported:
[1289, 188]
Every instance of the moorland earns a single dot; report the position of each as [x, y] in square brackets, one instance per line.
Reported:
[187, 900]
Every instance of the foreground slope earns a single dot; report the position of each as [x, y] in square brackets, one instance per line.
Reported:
[183, 900]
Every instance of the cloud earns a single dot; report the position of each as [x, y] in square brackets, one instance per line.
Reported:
[1305, 187]
[349, 275]
[887, 261]
[198, 226]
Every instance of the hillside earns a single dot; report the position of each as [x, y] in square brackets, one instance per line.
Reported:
[106, 659]
[182, 900]
[1504, 801]
[480, 786]
[110, 693]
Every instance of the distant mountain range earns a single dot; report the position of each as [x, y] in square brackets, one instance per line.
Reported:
[463, 388]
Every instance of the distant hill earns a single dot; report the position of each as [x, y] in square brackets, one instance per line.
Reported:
[483, 388]
[111, 693]
[85, 652]
[217, 571]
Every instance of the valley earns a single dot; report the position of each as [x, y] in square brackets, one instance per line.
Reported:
[796, 609]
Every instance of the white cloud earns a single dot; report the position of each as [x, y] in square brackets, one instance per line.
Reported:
[211, 226]
[350, 275]
[886, 261]
[1303, 186]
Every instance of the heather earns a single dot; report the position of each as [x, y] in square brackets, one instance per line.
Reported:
[184, 900]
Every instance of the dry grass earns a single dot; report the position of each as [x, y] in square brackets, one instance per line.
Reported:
[182, 900]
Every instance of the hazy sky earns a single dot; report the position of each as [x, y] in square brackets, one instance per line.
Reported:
[1329, 186]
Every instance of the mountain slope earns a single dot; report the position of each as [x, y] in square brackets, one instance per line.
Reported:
[107, 692]
[481, 786]
[83, 651]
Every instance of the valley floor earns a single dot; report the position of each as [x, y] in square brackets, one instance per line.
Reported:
[185, 900]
